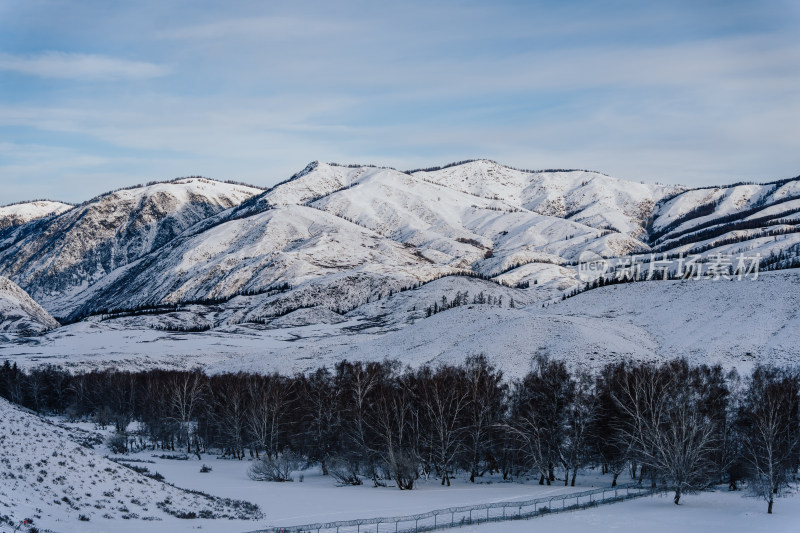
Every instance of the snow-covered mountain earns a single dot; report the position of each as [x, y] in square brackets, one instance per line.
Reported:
[341, 237]
[195, 254]
[20, 213]
[19, 314]
[55, 257]
[715, 216]
[591, 198]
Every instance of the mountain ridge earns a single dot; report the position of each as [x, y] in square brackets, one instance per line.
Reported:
[339, 237]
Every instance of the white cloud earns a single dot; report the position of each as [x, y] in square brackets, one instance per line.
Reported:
[267, 28]
[80, 66]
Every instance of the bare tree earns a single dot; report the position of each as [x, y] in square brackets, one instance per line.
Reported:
[484, 411]
[538, 417]
[443, 399]
[395, 424]
[319, 408]
[581, 415]
[230, 413]
[610, 444]
[357, 384]
[271, 400]
[668, 432]
[768, 424]
[186, 393]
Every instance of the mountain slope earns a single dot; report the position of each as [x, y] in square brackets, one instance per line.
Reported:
[725, 214]
[55, 257]
[590, 198]
[20, 213]
[326, 260]
[19, 314]
[458, 229]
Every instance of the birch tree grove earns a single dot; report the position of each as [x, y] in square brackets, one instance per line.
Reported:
[677, 425]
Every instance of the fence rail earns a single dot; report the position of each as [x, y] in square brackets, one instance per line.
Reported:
[474, 514]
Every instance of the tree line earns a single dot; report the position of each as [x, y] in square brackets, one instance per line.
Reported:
[671, 424]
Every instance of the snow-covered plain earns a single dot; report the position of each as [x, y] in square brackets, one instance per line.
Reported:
[717, 511]
[735, 323]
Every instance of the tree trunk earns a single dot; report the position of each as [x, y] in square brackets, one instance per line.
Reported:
[574, 475]
[677, 496]
[614, 481]
[769, 506]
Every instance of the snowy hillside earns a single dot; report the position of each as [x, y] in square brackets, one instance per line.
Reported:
[321, 248]
[55, 257]
[20, 213]
[719, 212]
[327, 260]
[735, 323]
[61, 485]
[590, 198]
[19, 314]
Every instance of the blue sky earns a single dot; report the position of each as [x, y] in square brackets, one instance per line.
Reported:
[97, 95]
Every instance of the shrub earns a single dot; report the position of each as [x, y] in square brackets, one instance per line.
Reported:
[269, 469]
[117, 443]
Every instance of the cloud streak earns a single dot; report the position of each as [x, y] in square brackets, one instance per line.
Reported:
[64, 65]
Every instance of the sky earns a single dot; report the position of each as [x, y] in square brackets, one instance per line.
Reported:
[96, 95]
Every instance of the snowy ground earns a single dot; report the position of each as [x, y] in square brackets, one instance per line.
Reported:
[736, 323]
[710, 512]
[47, 476]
